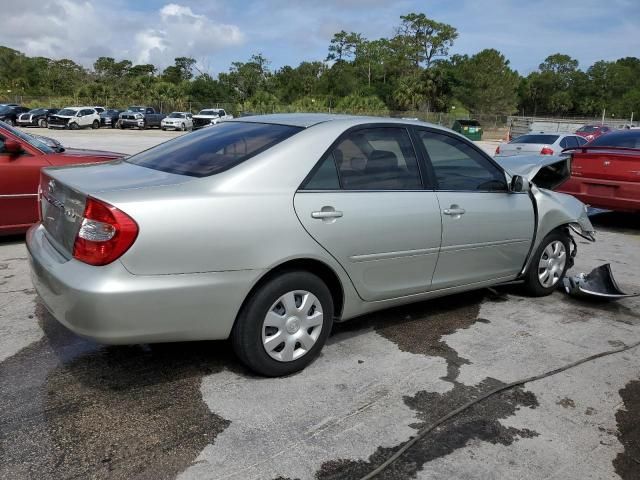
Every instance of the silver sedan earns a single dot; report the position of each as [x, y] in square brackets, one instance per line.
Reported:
[540, 144]
[267, 229]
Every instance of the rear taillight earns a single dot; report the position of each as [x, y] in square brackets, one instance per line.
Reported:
[546, 151]
[497, 150]
[104, 235]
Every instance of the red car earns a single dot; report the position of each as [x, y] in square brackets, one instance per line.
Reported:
[591, 132]
[21, 158]
[606, 172]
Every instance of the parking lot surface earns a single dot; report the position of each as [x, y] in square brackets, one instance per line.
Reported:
[75, 409]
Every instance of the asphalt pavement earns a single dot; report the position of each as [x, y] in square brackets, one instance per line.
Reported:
[74, 409]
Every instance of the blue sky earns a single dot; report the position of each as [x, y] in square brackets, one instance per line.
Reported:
[217, 32]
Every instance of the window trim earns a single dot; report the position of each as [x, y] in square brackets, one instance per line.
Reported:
[424, 180]
[418, 128]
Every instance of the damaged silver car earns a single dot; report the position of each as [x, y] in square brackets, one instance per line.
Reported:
[267, 229]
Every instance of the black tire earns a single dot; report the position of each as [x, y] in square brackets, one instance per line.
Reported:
[95, 125]
[42, 123]
[246, 336]
[121, 126]
[145, 125]
[10, 122]
[532, 284]
[163, 129]
[184, 127]
[73, 126]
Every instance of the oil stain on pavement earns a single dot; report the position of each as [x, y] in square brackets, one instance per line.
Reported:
[627, 463]
[74, 409]
[419, 329]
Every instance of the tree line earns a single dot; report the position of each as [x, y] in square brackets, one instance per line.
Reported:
[410, 71]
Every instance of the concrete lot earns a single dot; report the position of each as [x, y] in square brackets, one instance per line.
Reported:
[74, 409]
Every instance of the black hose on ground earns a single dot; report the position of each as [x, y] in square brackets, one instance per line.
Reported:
[423, 432]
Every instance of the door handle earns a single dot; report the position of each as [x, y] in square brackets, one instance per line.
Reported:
[324, 214]
[454, 211]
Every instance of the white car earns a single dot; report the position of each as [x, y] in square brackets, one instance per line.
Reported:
[539, 144]
[75, 117]
[210, 116]
[177, 121]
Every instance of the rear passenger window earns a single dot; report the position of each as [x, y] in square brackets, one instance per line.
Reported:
[325, 177]
[459, 167]
[377, 159]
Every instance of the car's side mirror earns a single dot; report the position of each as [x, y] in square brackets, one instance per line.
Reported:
[519, 184]
[12, 147]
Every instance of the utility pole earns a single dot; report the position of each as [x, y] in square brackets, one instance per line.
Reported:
[604, 111]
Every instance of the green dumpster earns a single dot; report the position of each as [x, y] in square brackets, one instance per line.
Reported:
[469, 128]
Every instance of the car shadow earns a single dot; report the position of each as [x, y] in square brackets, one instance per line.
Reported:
[616, 222]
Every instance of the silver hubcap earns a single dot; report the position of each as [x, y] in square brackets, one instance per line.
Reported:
[292, 325]
[552, 262]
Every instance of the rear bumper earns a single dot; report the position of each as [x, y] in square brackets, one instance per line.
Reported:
[606, 194]
[110, 305]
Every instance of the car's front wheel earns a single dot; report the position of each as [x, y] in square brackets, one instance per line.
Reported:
[284, 324]
[42, 123]
[548, 265]
[10, 122]
[74, 126]
[95, 125]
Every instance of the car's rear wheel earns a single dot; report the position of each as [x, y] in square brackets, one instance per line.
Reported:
[548, 265]
[95, 125]
[42, 123]
[284, 324]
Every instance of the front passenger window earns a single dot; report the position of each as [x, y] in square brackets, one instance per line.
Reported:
[459, 167]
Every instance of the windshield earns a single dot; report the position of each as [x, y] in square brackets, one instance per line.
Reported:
[628, 139]
[209, 112]
[546, 139]
[5, 109]
[36, 111]
[34, 142]
[176, 115]
[587, 129]
[136, 109]
[67, 112]
[213, 150]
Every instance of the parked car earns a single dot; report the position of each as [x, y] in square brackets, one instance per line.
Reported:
[9, 113]
[99, 109]
[177, 121]
[606, 172]
[109, 118]
[210, 116]
[21, 157]
[74, 118]
[591, 132]
[38, 117]
[269, 228]
[141, 117]
[539, 143]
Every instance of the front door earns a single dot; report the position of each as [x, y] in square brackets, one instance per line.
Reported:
[19, 178]
[366, 205]
[487, 231]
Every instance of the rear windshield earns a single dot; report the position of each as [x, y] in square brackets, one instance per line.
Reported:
[213, 150]
[469, 123]
[546, 139]
[628, 139]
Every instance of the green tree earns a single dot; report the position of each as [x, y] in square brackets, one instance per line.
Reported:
[425, 39]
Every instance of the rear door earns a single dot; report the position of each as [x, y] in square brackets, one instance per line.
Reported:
[366, 205]
[486, 230]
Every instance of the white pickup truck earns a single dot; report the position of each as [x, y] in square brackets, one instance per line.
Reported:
[210, 116]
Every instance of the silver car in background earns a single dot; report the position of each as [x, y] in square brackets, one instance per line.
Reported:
[539, 144]
[267, 229]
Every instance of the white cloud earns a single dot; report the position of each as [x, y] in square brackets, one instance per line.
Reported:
[80, 29]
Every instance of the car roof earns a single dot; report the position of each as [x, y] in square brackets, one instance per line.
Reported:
[306, 120]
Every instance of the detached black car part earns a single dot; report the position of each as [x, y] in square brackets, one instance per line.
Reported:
[599, 283]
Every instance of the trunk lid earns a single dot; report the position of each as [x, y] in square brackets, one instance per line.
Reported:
[512, 149]
[64, 190]
[618, 164]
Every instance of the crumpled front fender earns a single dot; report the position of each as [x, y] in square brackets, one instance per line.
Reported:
[557, 210]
